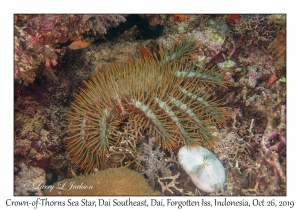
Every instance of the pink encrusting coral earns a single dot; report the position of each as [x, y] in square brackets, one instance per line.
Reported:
[38, 38]
[36, 41]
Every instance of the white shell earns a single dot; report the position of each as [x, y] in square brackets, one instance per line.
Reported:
[203, 167]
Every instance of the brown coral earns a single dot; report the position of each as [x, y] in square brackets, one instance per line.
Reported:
[114, 181]
[278, 49]
[278, 46]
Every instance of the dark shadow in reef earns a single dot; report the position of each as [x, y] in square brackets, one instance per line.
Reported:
[147, 31]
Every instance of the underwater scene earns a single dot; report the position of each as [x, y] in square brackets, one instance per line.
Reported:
[150, 104]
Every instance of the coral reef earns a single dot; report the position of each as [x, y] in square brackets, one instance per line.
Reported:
[116, 52]
[278, 49]
[114, 181]
[255, 165]
[239, 57]
[257, 30]
[278, 46]
[101, 23]
[154, 19]
[125, 153]
[36, 137]
[166, 186]
[37, 41]
[154, 161]
[38, 113]
[164, 19]
[43, 39]
[28, 180]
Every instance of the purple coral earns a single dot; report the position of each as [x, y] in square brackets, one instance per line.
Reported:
[153, 160]
[252, 75]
